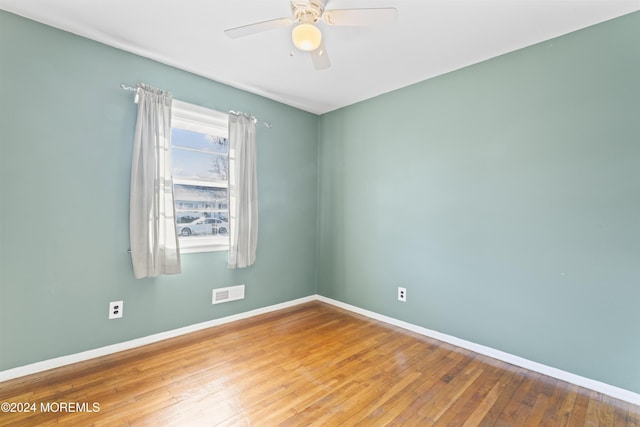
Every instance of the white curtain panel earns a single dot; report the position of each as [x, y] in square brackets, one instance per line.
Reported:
[152, 227]
[243, 192]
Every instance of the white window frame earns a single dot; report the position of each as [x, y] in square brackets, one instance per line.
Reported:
[203, 120]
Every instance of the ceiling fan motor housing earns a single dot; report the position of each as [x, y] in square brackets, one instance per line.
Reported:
[307, 11]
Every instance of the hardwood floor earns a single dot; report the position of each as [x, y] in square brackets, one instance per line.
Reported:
[310, 365]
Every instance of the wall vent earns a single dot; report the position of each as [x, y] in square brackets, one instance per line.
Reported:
[230, 293]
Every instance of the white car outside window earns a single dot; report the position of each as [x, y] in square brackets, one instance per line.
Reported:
[210, 226]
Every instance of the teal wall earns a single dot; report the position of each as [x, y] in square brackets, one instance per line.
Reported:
[66, 132]
[505, 197]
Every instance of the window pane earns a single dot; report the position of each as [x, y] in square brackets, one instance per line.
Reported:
[199, 156]
[213, 225]
[201, 211]
[197, 165]
[193, 197]
[199, 141]
[185, 217]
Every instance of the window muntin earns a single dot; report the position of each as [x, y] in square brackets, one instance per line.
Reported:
[200, 162]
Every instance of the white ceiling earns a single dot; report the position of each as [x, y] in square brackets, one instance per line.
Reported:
[431, 37]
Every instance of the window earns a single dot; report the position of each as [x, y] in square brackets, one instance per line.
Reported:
[200, 162]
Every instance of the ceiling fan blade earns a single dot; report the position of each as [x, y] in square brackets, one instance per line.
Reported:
[361, 17]
[320, 58]
[258, 27]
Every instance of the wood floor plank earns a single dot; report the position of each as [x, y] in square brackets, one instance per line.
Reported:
[481, 410]
[633, 416]
[509, 383]
[468, 401]
[534, 417]
[312, 364]
[528, 402]
[567, 403]
[451, 394]
[406, 410]
[380, 393]
[579, 413]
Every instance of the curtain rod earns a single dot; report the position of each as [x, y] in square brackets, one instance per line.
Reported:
[237, 113]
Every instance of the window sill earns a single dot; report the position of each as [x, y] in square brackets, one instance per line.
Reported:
[196, 244]
[203, 248]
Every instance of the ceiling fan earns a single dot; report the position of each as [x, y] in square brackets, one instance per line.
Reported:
[306, 35]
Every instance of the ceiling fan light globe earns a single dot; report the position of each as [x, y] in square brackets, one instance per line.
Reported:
[306, 37]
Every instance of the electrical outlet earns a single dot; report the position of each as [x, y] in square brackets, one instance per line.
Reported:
[402, 294]
[115, 309]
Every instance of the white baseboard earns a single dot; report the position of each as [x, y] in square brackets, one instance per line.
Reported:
[33, 368]
[609, 390]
